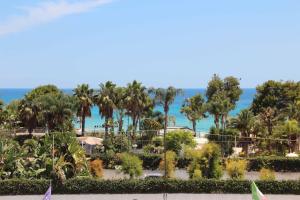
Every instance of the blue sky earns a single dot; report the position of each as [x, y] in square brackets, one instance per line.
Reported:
[158, 42]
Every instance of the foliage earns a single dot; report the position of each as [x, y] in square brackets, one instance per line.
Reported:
[84, 100]
[169, 164]
[266, 174]
[56, 111]
[175, 140]
[105, 100]
[164, 98]
[289, 130]
[236, 168]
[224, 138]
[207, 160]
[99, 186]
[194, 109]
[244, 123]
[131, 165]
[276, 95]
[278, 164]
[222, 96]
[96, 168]
[137, 103]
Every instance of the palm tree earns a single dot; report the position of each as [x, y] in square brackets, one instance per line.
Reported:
[105, 100]
[245, 123]
[84, 97]
[1, 106]
[29, 114]
[120, 106]
[56, 111]
[164, 98]
[194, 109]
[135, 102]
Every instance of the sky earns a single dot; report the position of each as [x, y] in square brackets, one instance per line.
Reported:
[158, 42]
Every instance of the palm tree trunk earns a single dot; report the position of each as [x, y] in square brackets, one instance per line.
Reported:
[83, 125]
[106, 128]
[216, 121]
[165, 146]
[194, 126]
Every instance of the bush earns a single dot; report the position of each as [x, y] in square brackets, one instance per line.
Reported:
[170, 164]
[98, 186]
[277, 164]
[266, 175]
[175, 140]
[96, 168]
[236, 168]
[131, 165]
[150, 161]
[207, 160]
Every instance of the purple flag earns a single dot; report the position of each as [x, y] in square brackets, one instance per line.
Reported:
[48, 194]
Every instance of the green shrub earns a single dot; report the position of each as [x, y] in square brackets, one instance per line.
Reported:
[99, 186]
[277, 164]
[170, 164]
[236, 168]
[150, 161]
[131, 165]
[175, 140]
[266, 175]
[207, 160]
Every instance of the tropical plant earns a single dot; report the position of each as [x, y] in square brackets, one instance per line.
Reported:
[164, 98]
[207, 160]
[169, 162]
[136, 101]
[84, 97]
[245, 123]
[120, 106]
[29, 114]
[236, 168]
[289, 130]
[105, 100]
[194, 109]
[131, 165]
[266, 174]
[176, 140]
[56, 111]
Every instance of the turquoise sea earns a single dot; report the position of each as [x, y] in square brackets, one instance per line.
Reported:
[7, 95]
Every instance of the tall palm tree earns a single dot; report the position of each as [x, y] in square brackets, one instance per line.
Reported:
[56, 111]
[135, 102]
[194, 109]
[1, 105]
[164, 98]
[105, 100]
[84, 96]
[245, 123]
[29, 114]
[120, 106]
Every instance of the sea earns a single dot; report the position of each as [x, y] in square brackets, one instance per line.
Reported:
[95, 121]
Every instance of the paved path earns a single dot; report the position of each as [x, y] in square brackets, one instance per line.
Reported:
[182, 174]
[152, 197]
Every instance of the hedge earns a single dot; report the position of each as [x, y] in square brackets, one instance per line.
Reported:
[94, 186]
[279, 164]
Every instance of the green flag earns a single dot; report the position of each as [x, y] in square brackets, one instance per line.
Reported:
[256, 193]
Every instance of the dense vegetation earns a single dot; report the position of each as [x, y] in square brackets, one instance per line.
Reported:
[90, 186]
[266, 132]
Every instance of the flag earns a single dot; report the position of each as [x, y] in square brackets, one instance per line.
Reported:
[256, 193]
[48, 194]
